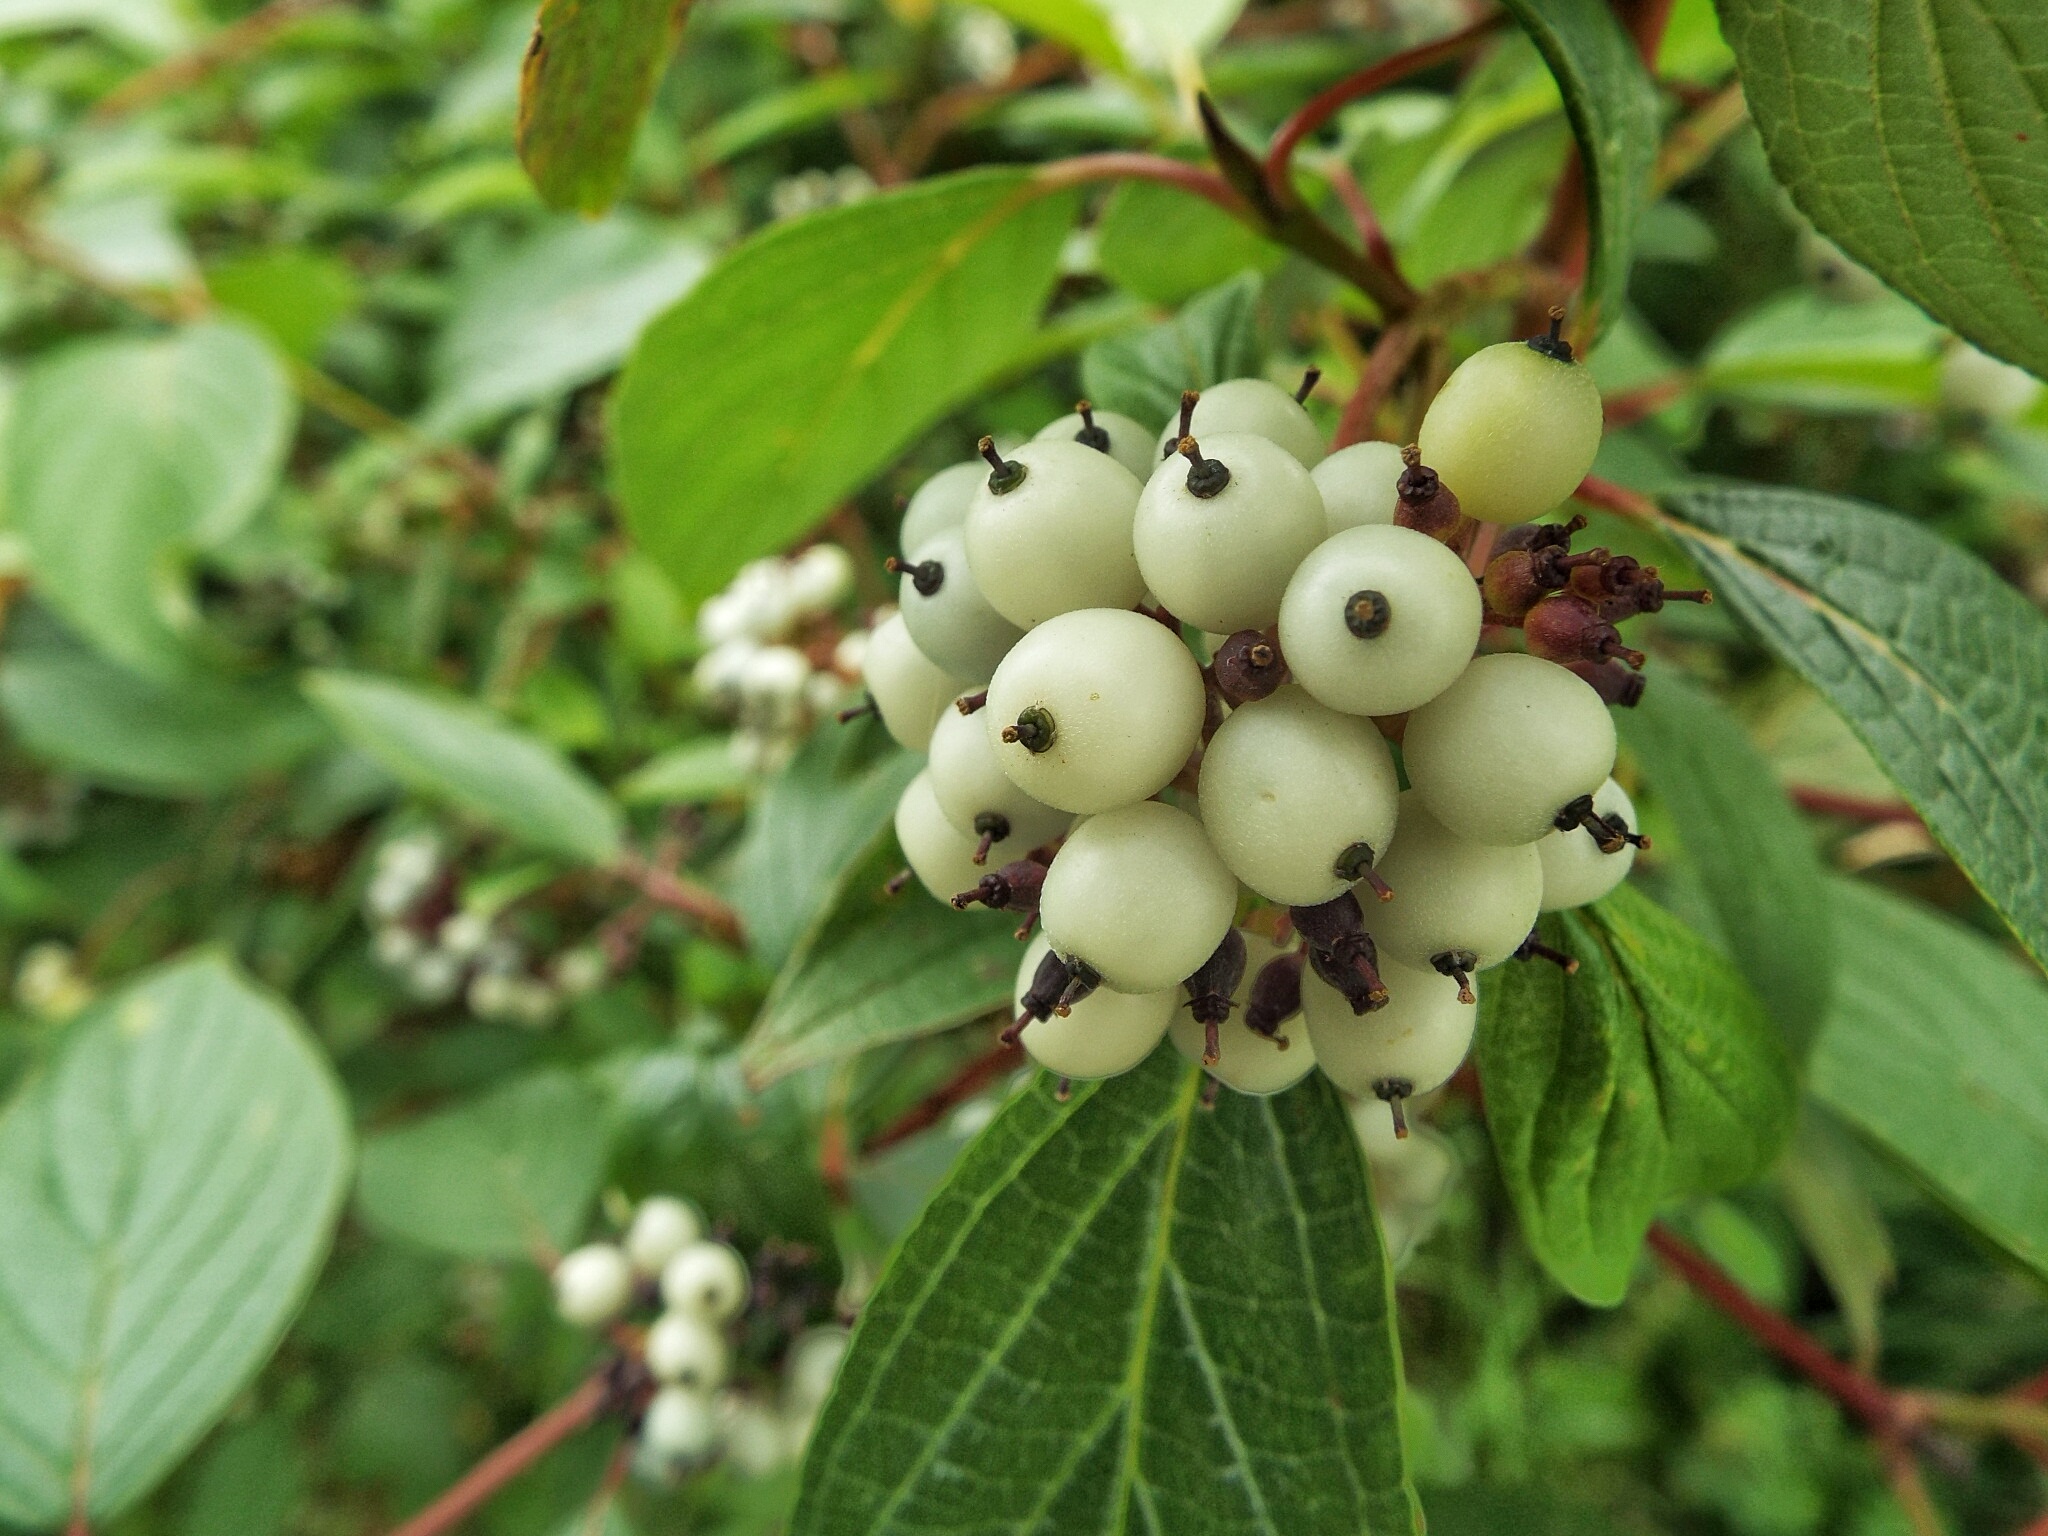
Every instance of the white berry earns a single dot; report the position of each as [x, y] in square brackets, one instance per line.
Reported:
[1456, 904]
[1246, 1061]
[685, 1351]
[1379, 620]
[1357, 485]
[707, 1281]
[679, 1425]
[940, 503]
[821, 578]
[1130, 442]
[593, 1284]
[1217, 538]
[1257, 406]
[1575, 870]
[1501, 751]
[1410, 1046]
[1105, 1033]
[909, 690]
[1057, 535]
[1103, 708]
[948, 617]
[663, 1227]
[1512, 432]
[811, 1366]
[1139, 896]
[974, 793]
[1298, 799]
[939, 853]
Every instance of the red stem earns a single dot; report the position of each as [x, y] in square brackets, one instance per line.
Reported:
[1828, 802]
[935, 1106]
[481, 1482]
[1371, 233]
[680, 894]
[1127, 165]
[1626, 407]
[1863, 1397]
[1390, 355]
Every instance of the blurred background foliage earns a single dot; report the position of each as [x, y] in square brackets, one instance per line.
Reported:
[301, 381]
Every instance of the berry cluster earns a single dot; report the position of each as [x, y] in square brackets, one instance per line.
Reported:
[1087, 772]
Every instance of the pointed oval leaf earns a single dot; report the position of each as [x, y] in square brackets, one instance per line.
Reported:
[1916, 138]
[1215, 336]
[168, 1188]
[813, 354]
[589, 75]
[1126, 1313]
[1650, 1073]
[1937, 664]
[458, 751]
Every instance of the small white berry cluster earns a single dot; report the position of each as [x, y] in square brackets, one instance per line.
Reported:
[439, 947]
[1089, 773]
[699, 1287]
[776, 661]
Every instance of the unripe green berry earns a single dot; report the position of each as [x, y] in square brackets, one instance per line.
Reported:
[1056, 538]
[908, 688]
[1246, 1060]
[593, 1284]
[707, 1281]
[940, 503]
[1456, 903]
[663, 1227]
[1256, 406]
[1501, 751]
[1379, 620]
[1221, 559]
[684, 1351]
[946, 613]
[1105, 1033]
[1513, 431]
[1139, 896]
[1128, 442]
[1095, 709]
[1412, 1045]
[1575, 869]
[1357, 485]
[1298, 799]
[972, 790]
[679, 1425]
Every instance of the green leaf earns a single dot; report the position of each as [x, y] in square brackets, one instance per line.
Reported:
[295, 295]
[811, 825]
[589, 75]
[455, 750]
[1916, 138]
[1937, 664]
[1935, 1051]
[200, 736]
[1165, 245]
[1840, 1226]
[123, 456]
[1127, 1313]
[1612, 104]
[1080, 24]
[554, 312]
[1753, 854]
[881, 969]
[504, 1176]
[695, 773]
[815, 353]
[1817, 354]
[1652, 1072]
[168, 1188]
[1215, 337]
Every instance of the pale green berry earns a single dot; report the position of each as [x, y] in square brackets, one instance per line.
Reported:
[1458, 906]
[1105, 1033]
[1513, 431]
[593, 1284]
[1416, 1169]
[707, 1281]
[941, 855]
[679, 1425]
[663, 1227]
[1501, 751]
[684, 1351]
[1052, 533]
[1246, 1061]
[1095, 709]
[909, 690]
[1256, 406]
[1138, 896]
[1218, 537]
[1410, 1046]
[811, 1366]
[1575, 870]
[940, 503]
[947, 615]
[977, 797]
[1298, 799]
[1379, 620]
[1129, 442]
[1357, 485]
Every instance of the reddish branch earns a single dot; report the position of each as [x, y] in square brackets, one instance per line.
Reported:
[1828, 802]
[1129, 165]
[230, 44]
[936, 1105]
[1626, 407]
[681, 894]
[477, 1486]
[1390, 357]
[946, 111]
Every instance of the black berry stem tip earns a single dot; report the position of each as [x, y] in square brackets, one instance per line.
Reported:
[1309, 380]
[1368, 613]
[1395, 1093]
[927, 576]
[866, 706]
[1553, 345]
[1458, 965]
[1206, 477]
[1034, 730]
[1533, 948]
[1090, 435]
[1004, 475]
[893, 886]
[968, 703]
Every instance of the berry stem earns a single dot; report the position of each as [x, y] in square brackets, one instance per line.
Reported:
[481, 1483]
[1004, 475]
[679, 893]
[963, 1085]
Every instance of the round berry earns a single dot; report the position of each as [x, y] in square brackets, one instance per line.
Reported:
[593, 1284]
[707, 1281]
[940, 503]
[1256, 406]
[1127, 441]
[908, 689]
[1104, 1033]
[1498, 754]
[1514, 430]
[1221, 527]
[1458, 906]
[1095, 709]
[1576, 868]
[977, 797]
[679, 1425]
[1298, 800]
[820, 579]
[1247, 1059]
[1379, 620]
[812, 1365]
[1050, 532]
[1138, 896]
[946, 614]
[943, 857]
[684, 1351]
[1357, 485]
[1410, 1046]
[663, 1227]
